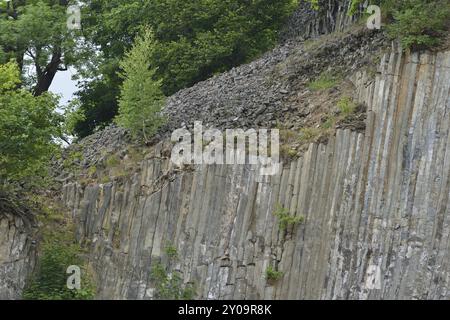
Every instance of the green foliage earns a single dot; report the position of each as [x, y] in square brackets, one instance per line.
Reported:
[420, 24]
[171, 252]
[135, 155]
[308, 135]
[284, 219]
[325, 81]
[287, 152]
[73, 115]
[112, 161]
[97, 103]
[169, 283]
[346, 106]
[141, 98]
[193, 40]
[169, 286]
[57, 252]
[73, 160]
[354, 6]
[28, 126]
[329, 123]
[272, 274]
[92, 171]
[105, 179]
[9, 77]
[35, 33]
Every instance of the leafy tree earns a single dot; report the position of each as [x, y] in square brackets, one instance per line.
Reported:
[35, 34]
[141, 98]
[195, 39]
[98, 104]
[28, 126]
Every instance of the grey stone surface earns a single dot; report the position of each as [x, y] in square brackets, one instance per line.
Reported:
[376, 203]
[17, 255]
[268, 90]
[307, 23]
[376, 208]
[272, 88]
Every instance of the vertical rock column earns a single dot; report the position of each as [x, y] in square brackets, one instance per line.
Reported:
[17, 256]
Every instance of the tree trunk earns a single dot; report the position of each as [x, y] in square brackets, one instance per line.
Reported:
[46, 78]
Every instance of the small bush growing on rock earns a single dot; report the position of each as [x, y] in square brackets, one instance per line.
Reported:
[329, 123]
[169, 286]
[284, 219]
[171, 252]
[92, 171]
[308, 135]
[73, 160]
[419, 24]
[272, 274]
[346, 106]
[112, 161]
[287, 153]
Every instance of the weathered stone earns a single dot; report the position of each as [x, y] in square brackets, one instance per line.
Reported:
[17, 255]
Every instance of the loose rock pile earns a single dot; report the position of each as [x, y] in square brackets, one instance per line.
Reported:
[269, 91]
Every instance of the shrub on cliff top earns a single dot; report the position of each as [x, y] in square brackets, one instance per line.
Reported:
[419, 24]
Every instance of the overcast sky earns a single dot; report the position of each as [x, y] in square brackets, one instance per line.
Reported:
[63, 85]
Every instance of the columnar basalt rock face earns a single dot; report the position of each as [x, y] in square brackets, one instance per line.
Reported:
[376, 208]
[308, 23]
[17, 256]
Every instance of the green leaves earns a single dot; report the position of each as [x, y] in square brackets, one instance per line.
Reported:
[9, 77]
[58, 251]
[28, 126]
[198, 39]
[285, 220]
[36, 34]
[193, 40]
[420, 24]
[141, 98]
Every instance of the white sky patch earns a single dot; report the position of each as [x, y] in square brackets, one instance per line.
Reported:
[64, 86]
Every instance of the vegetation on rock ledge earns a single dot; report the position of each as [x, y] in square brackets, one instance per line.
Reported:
[58, 250]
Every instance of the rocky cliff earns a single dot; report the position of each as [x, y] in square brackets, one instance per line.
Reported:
[308, 23]
[373, 198]
[17, 252]
[376, 208]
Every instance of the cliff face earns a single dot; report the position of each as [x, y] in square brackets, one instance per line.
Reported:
[307, 23]
[376, 207]
[17, 255]
[375, 202]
